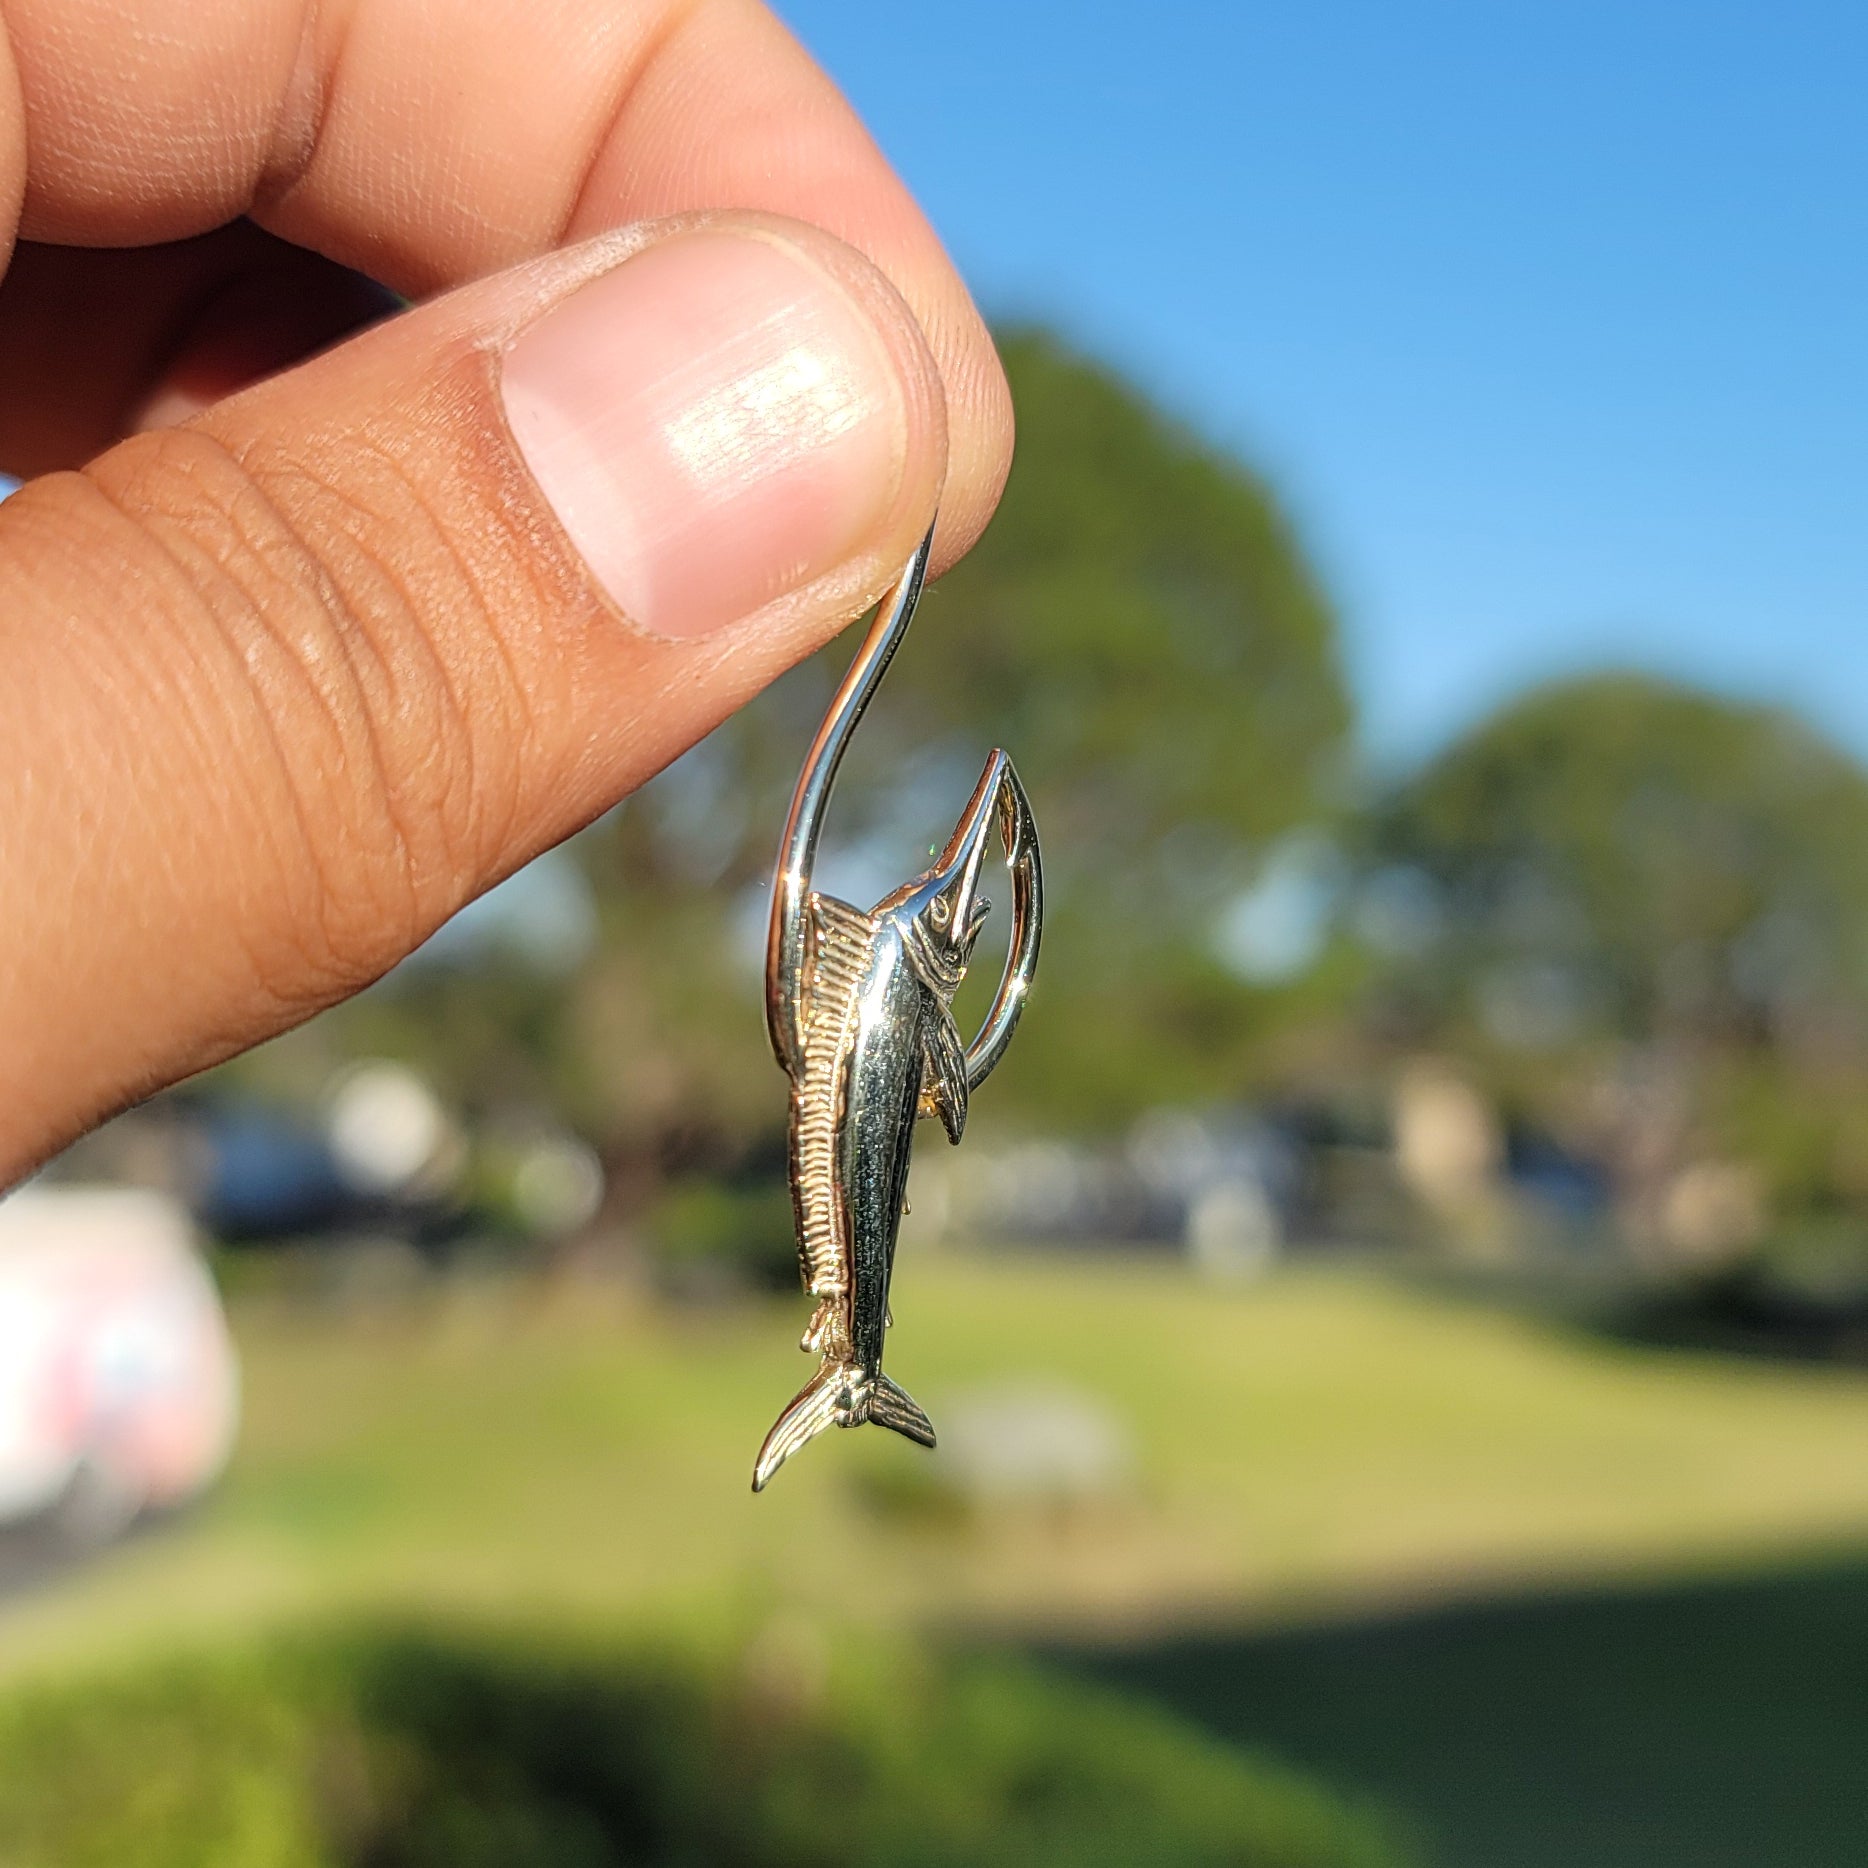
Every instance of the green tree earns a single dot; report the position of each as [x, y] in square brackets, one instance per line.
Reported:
[1669, 864]
[1619, 882]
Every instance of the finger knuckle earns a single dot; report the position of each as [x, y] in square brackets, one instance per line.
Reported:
[372, 720]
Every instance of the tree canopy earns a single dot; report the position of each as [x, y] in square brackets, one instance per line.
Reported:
[1624, 856]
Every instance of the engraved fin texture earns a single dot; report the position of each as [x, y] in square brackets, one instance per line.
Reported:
[841, 938]
[817, 1405]
[837, 1396]
[943, 1073]
[891, 1406]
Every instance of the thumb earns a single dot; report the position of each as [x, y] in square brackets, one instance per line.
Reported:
[290, 683]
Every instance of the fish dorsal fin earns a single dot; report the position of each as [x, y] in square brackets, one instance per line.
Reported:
[943, 1072]
[833, 922]
[839, 941]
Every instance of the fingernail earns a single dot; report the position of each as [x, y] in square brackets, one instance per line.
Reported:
[715, 423]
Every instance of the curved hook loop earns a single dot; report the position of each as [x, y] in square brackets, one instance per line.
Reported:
[1019, 833]
[999, 788]
[797, 853]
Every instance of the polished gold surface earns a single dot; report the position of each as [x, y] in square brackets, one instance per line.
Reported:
[860, 1008]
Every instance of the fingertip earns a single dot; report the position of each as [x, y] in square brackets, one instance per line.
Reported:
[737, 423]
[981, 437]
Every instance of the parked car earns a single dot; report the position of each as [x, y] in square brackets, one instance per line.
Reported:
[119, 1389]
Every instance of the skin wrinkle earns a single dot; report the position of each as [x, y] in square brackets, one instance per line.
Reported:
[179, 698]
[271, 573]
[179, 159]
[302, 109]
[361, 638]
[418, 711]
[521, 740]
[677, 18]
[128, 684]
[467, 843]
[385, 782]
[539, 593]
[294, 858]
[463, 848]
[409, 199]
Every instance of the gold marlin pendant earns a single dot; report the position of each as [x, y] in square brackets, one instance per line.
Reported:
[860, 1011]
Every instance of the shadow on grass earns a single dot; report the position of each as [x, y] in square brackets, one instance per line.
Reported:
[1717, 1724]
[1746, 1314]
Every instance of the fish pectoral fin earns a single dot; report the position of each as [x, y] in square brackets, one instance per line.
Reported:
[825, 1334]
[943, 1074]
[820, 1403]
[892, 1406]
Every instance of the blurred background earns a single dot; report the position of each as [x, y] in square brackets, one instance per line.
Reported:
[1398, 1324]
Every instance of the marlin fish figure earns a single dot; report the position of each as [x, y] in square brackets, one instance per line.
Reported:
[860, 1007]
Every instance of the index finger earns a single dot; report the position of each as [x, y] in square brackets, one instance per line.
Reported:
[428, 142]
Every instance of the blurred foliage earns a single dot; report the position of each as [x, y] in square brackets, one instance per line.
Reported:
[743, 1230]
[1622, 856]
[1141, 630]
[388, 1749]
[1642, 910]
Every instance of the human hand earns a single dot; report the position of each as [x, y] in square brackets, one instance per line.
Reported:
[302, 664]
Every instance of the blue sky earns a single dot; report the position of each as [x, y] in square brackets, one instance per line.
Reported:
[1549, 322]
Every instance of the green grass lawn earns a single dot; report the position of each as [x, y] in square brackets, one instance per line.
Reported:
[1304, 1445]
[1321, 1458]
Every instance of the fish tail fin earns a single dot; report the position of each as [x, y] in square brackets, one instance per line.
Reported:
[822, 1402]
[836, 1396]
[892, 1406]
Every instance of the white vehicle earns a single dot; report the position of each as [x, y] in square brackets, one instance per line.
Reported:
[119, 1390]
